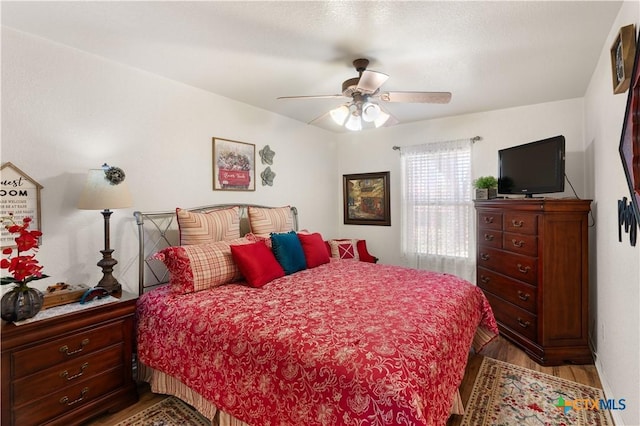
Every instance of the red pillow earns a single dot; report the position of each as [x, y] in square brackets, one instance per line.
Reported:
[257, 263]
[314, 248]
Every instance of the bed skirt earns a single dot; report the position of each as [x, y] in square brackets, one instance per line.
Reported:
[162, 383]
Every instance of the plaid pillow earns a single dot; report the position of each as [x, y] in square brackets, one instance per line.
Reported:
[208, 226]
[200, 267]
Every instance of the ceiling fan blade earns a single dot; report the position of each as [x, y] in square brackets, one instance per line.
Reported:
[320, 118]
[370, 81]
[417, 97]
[312, 97]
[391, 120]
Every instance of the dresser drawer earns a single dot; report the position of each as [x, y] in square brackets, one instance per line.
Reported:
[518, 320]
[520, 267]
[521, 223]
[520, 243]
[490, 238]
[490, 220]
[42, 383]
[68, 398]
[74, 346]
[516, 292]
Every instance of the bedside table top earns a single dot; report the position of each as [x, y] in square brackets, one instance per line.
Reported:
[91, 314]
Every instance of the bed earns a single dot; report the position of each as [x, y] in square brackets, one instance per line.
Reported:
[336, 342]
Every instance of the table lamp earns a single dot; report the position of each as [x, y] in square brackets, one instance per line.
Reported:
[104, 190]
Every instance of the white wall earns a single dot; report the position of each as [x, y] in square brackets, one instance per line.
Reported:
[371, 151]
[65, 111]
[615, 266]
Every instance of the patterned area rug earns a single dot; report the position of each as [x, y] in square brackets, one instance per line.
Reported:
[168, 412]
[505, 394]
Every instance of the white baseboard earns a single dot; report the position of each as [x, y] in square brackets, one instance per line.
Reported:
[608, 393]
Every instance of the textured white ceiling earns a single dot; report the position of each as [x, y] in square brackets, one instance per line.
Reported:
[490, 55]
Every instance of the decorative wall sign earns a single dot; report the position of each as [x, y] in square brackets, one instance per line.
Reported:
[627, 221]
[233, 165]
[266, 155]
[366, 199]
[267, 176]
[630, 139]
[622, 54]
[19, 196]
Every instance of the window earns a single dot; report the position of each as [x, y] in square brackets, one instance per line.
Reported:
[438, 219]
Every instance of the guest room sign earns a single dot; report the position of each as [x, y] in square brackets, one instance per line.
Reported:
[233, 165]
[20, 197]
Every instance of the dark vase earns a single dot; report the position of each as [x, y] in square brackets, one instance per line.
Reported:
[21, 302]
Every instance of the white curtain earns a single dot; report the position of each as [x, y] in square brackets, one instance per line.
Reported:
[438, 215]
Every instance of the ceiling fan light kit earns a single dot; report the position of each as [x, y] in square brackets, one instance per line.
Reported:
[340, 114]
[370, 112]
[353, 123]
[364, 90]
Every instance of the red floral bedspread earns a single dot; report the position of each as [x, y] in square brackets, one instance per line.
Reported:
[346, 343]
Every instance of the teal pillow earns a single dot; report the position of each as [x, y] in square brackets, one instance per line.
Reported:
[288, 251]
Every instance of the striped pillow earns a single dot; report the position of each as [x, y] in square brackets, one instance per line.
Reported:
[267, 220]
[208, 226]
[202, 266]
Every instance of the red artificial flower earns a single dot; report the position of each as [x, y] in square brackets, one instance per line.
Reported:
[22, 267]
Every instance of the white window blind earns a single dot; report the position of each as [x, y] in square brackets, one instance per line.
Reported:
[438, 219]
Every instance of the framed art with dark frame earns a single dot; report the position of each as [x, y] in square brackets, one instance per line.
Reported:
[234, 165]
[366, 199]
[630, 139]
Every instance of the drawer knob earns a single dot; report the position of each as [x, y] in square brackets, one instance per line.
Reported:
[485, 279]
[65, 399]
[523, 324]
[488, 219]
[523, 296]
[65, 373]
[517, 243]
[524, 269]
[65, 349]
[484, 256]
[488, 237]
[517, 223]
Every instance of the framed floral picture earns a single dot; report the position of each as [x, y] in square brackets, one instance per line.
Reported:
[234, 165]
[366, 199]
[630, 141]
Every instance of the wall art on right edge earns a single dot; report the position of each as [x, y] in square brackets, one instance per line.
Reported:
[630, 139]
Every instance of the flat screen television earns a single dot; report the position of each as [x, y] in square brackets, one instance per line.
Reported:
[533, 168]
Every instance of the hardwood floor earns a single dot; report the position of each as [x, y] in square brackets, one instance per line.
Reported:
[500, 349]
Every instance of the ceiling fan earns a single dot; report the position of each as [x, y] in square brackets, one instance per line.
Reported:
[364, 96]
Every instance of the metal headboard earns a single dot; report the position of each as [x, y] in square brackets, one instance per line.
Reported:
[157, 230]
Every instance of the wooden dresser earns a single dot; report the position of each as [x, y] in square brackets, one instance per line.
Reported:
[66, 369]
[532, 263]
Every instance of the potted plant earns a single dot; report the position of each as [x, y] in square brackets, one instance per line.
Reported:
[486, 187]
[22, 301]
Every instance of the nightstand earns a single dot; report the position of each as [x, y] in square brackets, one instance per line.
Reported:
[66, 369]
